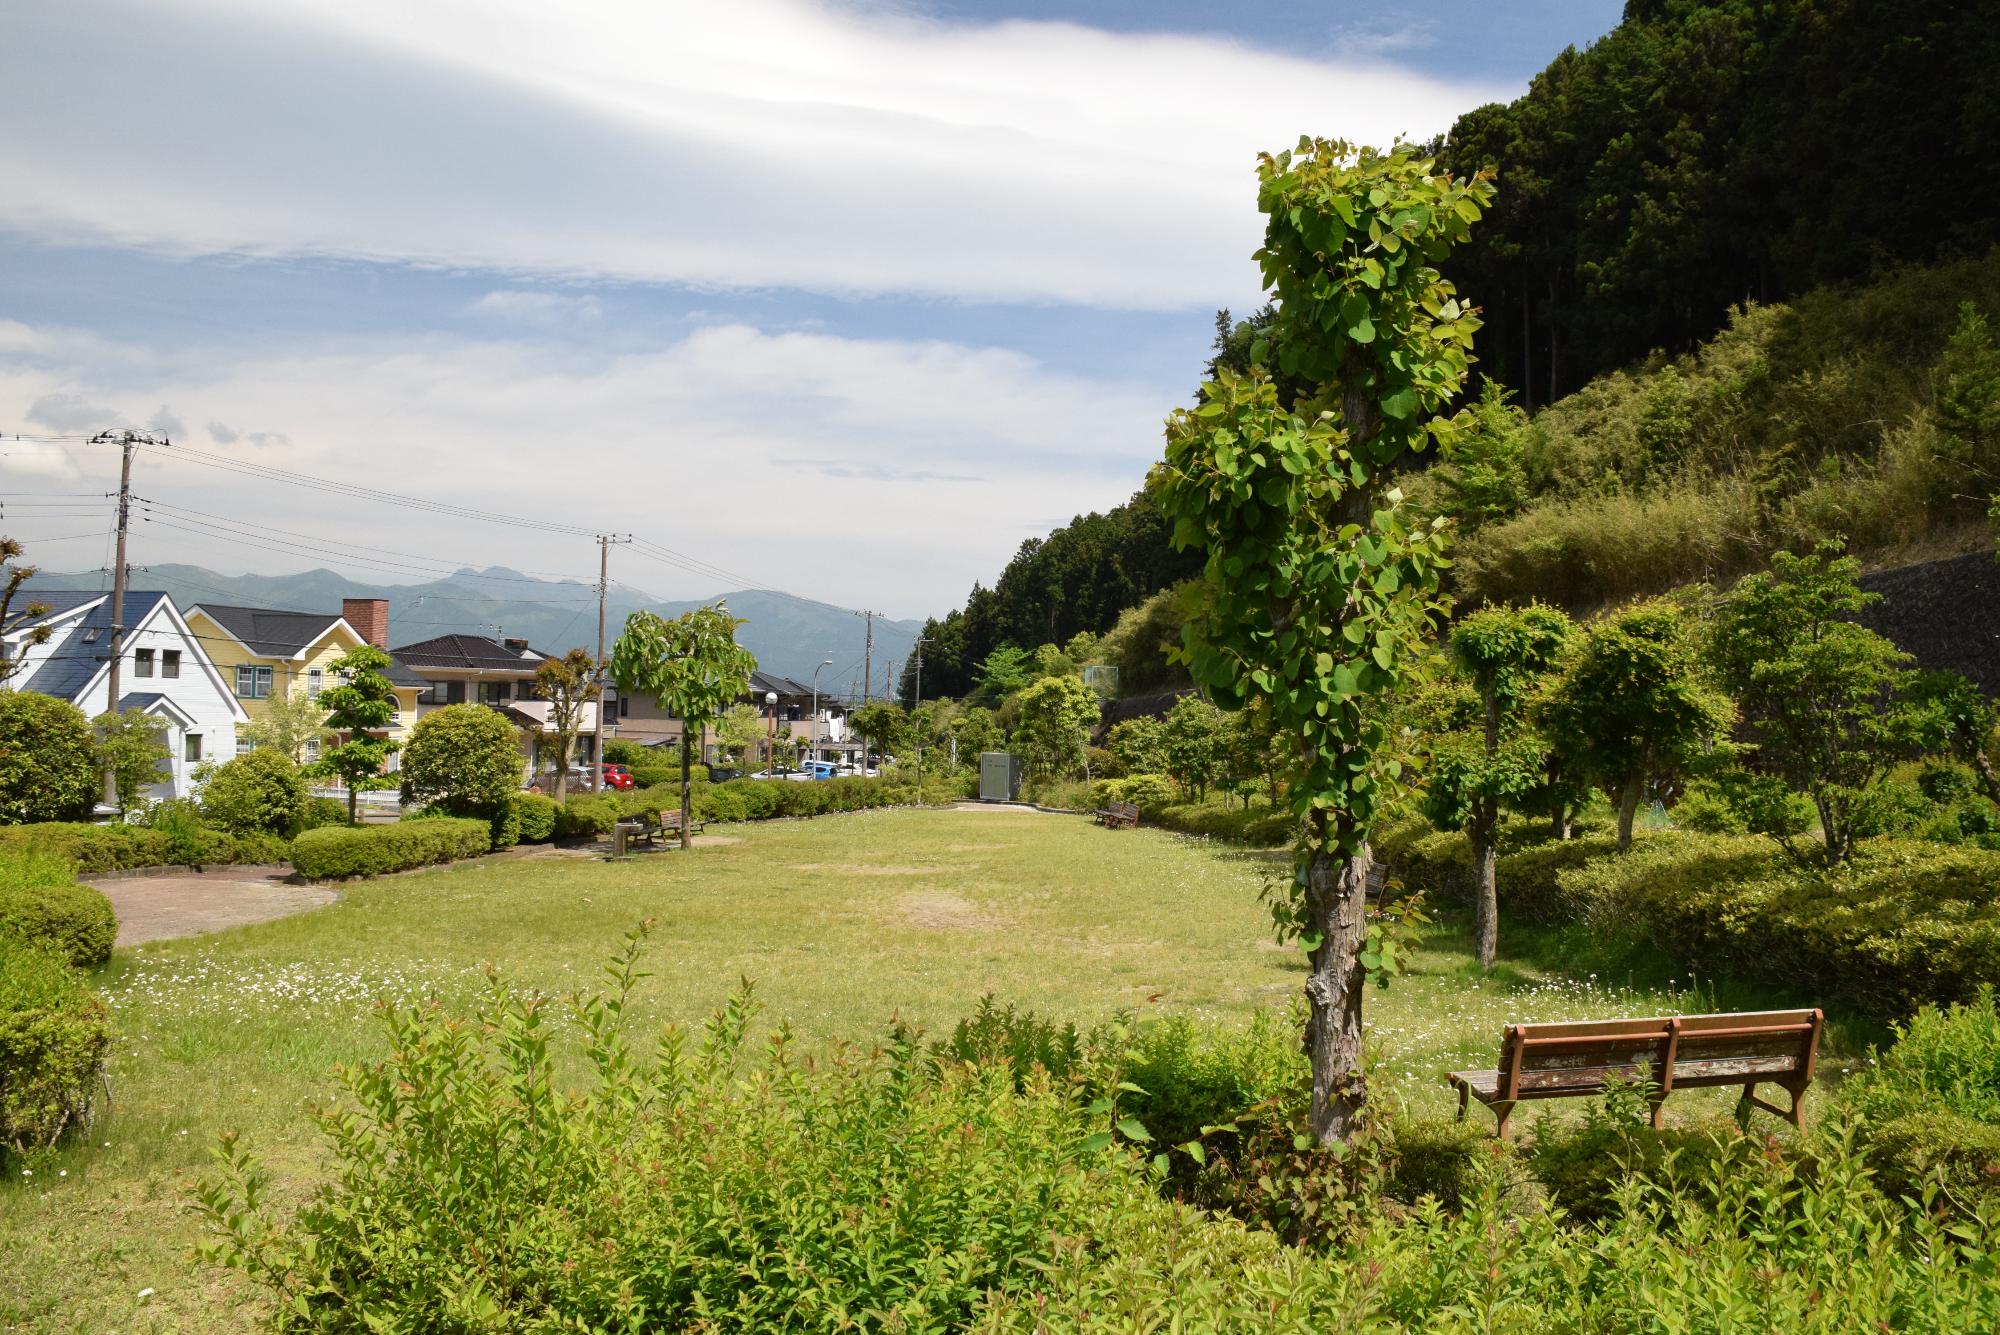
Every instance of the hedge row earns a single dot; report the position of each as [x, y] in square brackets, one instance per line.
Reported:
[370, 850]
[53, 1037]
[1905, 923]
[752, 799]
[100, 848]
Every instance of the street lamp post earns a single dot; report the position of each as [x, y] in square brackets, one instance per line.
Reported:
[771, 744]
[815, 714]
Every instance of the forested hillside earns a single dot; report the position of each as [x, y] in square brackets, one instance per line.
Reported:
[1710, 152]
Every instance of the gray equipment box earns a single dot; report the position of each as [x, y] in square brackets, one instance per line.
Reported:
[999, 776]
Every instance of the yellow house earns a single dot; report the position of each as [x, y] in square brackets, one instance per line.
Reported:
[265, 654]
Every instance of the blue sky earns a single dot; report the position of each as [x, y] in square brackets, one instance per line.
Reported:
[849, 299]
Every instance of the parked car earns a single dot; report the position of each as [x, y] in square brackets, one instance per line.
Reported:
[619, 777]
[812, 771]
[723, 774]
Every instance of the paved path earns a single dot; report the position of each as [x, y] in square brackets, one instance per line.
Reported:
[155, 908]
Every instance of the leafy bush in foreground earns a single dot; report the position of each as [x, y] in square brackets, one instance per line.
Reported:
[53, 1038]
[370, 850]
[730, 1186]
[1932, 1101]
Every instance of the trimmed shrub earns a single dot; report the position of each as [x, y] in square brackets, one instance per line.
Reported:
[126, 847]
[48, 766]
[322, 811]
[464, 758]
[1259, 825]
[258, 793]
[587, 814]
[371, 850]
[534, 817]
[63, 916]
[53, 1037]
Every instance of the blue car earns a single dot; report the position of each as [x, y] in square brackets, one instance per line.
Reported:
[816, 770]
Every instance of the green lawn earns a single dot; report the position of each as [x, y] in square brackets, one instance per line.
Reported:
[842, 922]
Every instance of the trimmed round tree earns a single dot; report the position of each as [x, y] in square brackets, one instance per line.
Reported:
[261, 792]
[463, 759]
[1320, 582]
[47, 766]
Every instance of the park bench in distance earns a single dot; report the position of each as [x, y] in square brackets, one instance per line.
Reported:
[670, 823]
[1559, 1061]
[1119, 815]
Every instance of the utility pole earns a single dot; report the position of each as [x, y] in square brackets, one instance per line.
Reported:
[916, 729]
[604, 541]
[128, 442]
[868, 657]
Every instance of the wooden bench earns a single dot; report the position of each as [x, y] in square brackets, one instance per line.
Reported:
[1559, 1061]
[670, 823]
[1119, 815]
[642, 828]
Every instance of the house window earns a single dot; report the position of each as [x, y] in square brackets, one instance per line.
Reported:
[142, 662]
[191, 748]
[315, 679]
[312, 749]
[244, 746]
[170, 662]
[624, 706]
[252, 682]
[454, 693]
[492, 692]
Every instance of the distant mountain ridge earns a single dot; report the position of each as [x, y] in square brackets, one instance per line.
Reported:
[790, 636]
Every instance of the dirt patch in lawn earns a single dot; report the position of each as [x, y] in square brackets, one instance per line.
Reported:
[975, 848]
[869, 868]
[943, 912]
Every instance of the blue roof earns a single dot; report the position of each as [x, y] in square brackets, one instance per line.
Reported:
[75, 659]
[139, 700]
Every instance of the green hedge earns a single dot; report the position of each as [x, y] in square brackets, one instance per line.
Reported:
[53, 1037]
[42, 904]
[1904, 924]
[589, 814]
[98, 848]
[370, 850]
[534, 817]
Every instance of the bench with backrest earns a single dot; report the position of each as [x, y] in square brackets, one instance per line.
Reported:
[642, 828]
[1119, 815]
[670, 823]
[1557, 1061]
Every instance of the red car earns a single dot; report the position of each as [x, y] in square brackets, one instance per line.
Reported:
[617, 776]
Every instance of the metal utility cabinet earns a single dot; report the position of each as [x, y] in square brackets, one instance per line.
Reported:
[999, 776]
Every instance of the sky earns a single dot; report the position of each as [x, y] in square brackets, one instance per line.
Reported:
[844, 299]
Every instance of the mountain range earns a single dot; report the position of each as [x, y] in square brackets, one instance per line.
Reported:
[789, 635]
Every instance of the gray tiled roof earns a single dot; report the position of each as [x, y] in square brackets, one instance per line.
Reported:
[75, 659]
[273, 633]
[763, 683]
[468, 653]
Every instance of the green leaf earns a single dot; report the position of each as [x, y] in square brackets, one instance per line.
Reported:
[1400, 404]
[1362, 331]
[1090, 1144]
[1133, 1129]
[1196, 1151]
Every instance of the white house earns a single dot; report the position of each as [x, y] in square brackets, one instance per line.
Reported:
[166, 672]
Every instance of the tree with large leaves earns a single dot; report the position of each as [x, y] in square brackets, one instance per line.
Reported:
[1320, 582]
[693, 666]
[568, 684]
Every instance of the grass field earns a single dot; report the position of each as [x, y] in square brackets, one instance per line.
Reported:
[842, 922]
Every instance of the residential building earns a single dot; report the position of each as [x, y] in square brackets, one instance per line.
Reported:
[823, 733]
[473, 669]
[266, 654]
[166, 671]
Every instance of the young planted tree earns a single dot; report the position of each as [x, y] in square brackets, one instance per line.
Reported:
[1502, 653]
[361, 705]
[738, 730]
[568, 684]
[1193, 740]
[973, 730]
[12, 576]
[131, 747]
[1140, 745]
[883, 725]
[693, 666]
[1057, 714]
[288, 724]
[1823, 697]
[1319, 583]
[1637, 704]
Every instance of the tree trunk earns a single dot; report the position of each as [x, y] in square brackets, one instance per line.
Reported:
[687, 789]
[1485, 870]
[1628, 807]
[1559, 822]
[353, 798]
[1337, 907]
[1989, 779]
[562, 766]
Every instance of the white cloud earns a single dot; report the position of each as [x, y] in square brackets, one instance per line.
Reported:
[780, 456]
[547, 309]
[771, 143]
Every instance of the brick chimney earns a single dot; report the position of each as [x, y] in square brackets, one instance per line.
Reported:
[370, 617]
